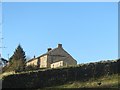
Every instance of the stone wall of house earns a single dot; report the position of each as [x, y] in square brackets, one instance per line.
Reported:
[60, 54]
[54, 57]
[43, 61]
[70, 61]
[57, 64]
[33, 62]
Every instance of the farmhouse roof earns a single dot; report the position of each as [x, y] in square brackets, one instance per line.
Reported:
[31, 59]
[49, 52]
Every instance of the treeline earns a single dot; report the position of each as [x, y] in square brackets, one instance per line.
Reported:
[52, 77]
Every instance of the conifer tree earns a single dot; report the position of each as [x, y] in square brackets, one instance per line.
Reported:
[17, 60]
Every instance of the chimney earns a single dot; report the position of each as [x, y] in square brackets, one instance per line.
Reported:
[34, 56]
[49, 49]
[59, 45]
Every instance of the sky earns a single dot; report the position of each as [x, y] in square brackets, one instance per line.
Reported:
[87, 30]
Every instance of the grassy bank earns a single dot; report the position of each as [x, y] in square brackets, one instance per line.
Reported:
[110, 81]
[79, 76]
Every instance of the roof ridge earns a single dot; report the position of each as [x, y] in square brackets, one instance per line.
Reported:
[42, 54]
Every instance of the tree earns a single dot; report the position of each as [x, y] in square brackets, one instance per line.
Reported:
[17, 60]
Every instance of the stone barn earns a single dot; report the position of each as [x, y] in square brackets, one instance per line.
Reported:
[54, 58]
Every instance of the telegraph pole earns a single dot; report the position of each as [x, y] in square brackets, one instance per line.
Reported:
[0, 32]
[1, 36]
[1, 41]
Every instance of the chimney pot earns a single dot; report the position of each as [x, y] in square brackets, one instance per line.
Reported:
[34, 56]
[49, 49]
[59, 45]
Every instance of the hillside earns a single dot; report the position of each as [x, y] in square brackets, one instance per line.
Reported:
[80, 76]
[110, 81]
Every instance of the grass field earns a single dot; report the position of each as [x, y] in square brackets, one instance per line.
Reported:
[103, 82]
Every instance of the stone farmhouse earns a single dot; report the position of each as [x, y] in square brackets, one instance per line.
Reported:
[54, 58]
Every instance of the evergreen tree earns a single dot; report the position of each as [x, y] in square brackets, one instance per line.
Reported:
[17, 60]
[19, 54]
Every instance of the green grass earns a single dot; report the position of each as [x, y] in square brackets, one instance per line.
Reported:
[106, 82]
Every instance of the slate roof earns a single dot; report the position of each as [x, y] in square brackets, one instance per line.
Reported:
[31, 59]
[4, 60]
[47, 53]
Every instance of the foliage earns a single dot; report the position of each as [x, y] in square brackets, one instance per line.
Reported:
[17, 60]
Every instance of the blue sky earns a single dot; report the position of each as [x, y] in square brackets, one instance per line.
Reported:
[88, 31]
